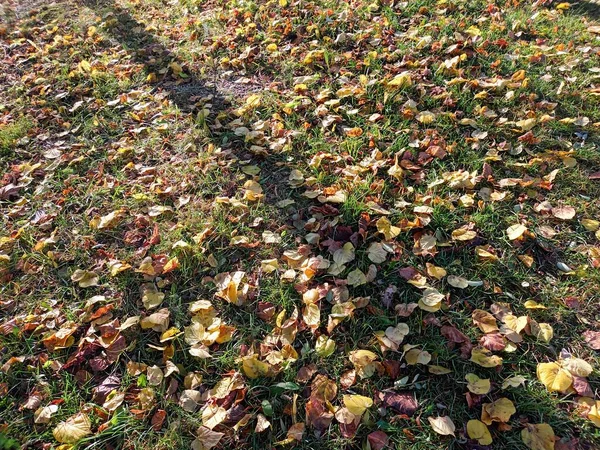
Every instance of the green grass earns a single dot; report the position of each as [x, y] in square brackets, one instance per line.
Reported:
[139, 140]
[11, 134]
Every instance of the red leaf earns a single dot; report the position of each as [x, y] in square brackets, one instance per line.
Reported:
[392, 368]
[378, 440]
[493, 341]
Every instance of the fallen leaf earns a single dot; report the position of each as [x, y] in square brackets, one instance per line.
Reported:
[479, 431]
[538, 436]
[498, 411]
[73, 429]
[442, 425]
[592, 338]
[357, 404]
[477, 385]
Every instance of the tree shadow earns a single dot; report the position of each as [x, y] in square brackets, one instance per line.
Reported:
[156, 58]
[587, 8]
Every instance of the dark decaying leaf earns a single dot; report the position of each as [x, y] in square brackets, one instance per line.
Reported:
[399, 402]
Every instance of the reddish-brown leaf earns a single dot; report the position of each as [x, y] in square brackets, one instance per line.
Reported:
[401, 402]
[378, 440]
[158, 419]
[493, 341]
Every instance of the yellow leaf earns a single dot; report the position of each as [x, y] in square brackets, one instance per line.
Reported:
[479, 431]
[462, 234]
[416, 356]
[515, 231]
[484, 320]
[324, 346]
[151, 297]
[400, 81]
[542, 331]
[442, 425]
[478, 385]
[253, 101]
[213, 415]
[594, 414]
[85, 66]
[269, 265]
[515, 381]
[377, 253]
[484, 254]
[425, 117]
[312, 315]
[514, 323]
[431, 300]
[85, 278]
[532, 304]
[435, 271]
[110, 220]
[473, 31]
[385, 227]
[397, 333]
[253, 191]
[498, 411]
[590, 224]
[357, 404]
[73, 429]
[356, 278]
[364, 362]
[526, 124]
[538, 436]
[253, 368]
[438, 370]
[555, 378]
[526, 260]
[484, 357]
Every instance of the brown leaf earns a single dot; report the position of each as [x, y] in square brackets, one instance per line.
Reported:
[405, 309]
[33, 401]
[473, 400]
[484, 320]
[348, 378]
[401, 402]
[158, 419]
[564, 212]
[392, 368]
[378, 440]
[454, 336]
[306, 373]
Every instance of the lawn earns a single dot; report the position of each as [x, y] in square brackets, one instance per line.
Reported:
[302, 224]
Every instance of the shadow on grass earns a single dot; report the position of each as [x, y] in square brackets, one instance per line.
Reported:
[587, 8]
[147, 50]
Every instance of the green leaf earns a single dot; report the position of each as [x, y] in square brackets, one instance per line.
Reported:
[267, 408]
